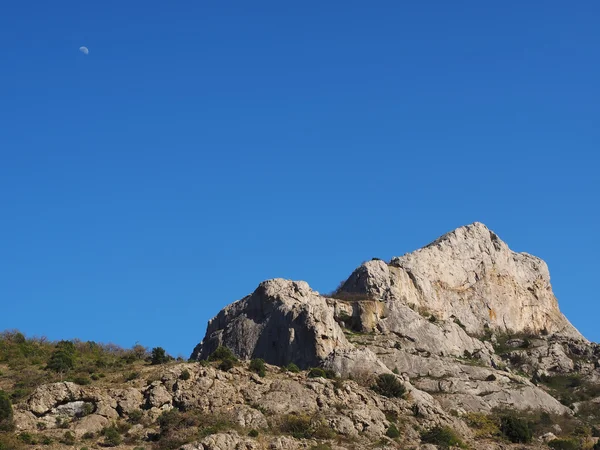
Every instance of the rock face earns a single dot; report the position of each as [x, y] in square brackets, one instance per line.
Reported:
[282, 321]
[428, 315]
[471, 275]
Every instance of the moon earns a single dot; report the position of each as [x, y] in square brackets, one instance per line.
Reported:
[84, 50]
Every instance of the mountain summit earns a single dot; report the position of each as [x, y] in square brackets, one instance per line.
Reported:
[468, 277]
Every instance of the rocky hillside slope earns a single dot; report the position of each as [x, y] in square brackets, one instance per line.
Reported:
[459, 344]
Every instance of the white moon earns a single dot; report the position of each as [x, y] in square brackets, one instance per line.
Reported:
[84, 50]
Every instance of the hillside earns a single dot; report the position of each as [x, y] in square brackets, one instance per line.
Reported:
[459, 344]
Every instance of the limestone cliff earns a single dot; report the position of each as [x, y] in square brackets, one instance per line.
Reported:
[469, 274]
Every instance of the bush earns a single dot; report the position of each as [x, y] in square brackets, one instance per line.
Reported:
[388, 385]
[112, 437]
[222, 353]
[302, 426]
[515, 429]
[159, 356]
[443, 437]
[564, 444]
[185, 375]
[484, 425]
[226, 365]
[6, 412]
[68, 438]
[61, 361]
[316, 372]
[291, 367]
[253, 433]
[88, 435]
[27, 438]
[258, 366]
[82, 380]
[136, 416]
[296, 425]
[392, 432]
[132, 376]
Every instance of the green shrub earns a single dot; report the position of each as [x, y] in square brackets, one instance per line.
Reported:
[564, 444]
[6, 412]
[516, 429]
[226, 365]
[132, 376]
[316, 372]
[112, 437]
[388, 385]
[159, 356]
[291, 367]
[392, 432]
[86, 410]
[258, 366]
[46, 440]
[28, 438]
[82, 380]
[88, 435]
[253, 433]
[484, 425]
[185, 375]
[222, 353]
[443, 437]
[61, 361]
[68, 438]
[136, 416]
[302, 426]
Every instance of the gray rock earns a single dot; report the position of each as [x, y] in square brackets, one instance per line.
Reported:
[281, 322]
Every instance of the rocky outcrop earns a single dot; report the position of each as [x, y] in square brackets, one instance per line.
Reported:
[281, 322]
[469, 274]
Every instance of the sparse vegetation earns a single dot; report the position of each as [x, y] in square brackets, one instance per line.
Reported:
[112, 437]
[6, 412]
[185, 375]
[303, 426]
[443, 437]
[291, 367]
[258, 366]
[392, 432]
[565, 444]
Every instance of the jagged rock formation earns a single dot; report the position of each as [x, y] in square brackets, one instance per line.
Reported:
[280, 319]
[472, 275]
[424, 314]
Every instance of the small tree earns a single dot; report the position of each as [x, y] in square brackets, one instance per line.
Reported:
[6, 412]
[159, 356]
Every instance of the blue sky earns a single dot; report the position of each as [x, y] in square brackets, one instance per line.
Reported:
[202, 147]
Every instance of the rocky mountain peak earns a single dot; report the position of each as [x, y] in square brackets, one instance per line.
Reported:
[472, 275]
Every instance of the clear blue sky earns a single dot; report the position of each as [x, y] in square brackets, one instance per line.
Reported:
[202, 147]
